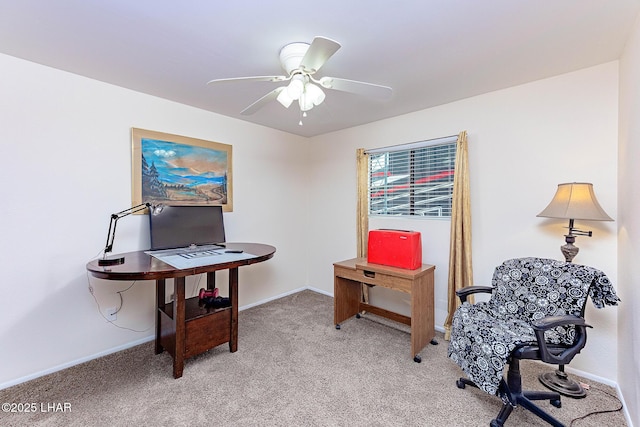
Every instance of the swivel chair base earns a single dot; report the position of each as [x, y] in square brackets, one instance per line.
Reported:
[525, 399]
[517, 397]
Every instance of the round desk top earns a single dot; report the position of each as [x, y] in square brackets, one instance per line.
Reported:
[142, 266]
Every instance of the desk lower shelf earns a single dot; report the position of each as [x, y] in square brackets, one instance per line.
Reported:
[204, 328]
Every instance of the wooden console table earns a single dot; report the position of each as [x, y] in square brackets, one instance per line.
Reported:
[349, 276]
[183, 327]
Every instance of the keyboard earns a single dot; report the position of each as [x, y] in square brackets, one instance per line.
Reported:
[197, 250]
[200, 253]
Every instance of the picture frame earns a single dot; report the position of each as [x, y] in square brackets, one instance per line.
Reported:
[181, 171]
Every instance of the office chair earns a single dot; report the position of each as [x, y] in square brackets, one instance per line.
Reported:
[536, 311]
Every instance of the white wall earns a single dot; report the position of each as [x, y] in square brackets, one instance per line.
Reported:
[523, 141]
[66, 166]
[629, 227]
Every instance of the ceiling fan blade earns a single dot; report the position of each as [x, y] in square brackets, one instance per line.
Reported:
[320, 50]
[252, 78]
[271, 96]
[361, 88]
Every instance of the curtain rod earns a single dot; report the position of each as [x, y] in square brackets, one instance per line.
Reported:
[414, 145]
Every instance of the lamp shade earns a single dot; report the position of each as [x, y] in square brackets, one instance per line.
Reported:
[575, 200]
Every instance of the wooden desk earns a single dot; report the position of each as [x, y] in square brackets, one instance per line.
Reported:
[349, 276]
[183, 328]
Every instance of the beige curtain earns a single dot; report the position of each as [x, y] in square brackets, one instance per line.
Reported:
[460, 265]
[362, 167]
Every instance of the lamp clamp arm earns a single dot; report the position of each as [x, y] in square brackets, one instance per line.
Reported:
[575, 232]
[111, 234]
[131, 210]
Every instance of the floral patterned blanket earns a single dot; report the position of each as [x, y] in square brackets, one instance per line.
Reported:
[524, 290]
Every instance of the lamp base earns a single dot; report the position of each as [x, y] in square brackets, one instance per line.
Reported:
[111, 261]
[569, 250]
[558, 381]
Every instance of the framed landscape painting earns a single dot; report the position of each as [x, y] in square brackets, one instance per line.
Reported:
[176, 170]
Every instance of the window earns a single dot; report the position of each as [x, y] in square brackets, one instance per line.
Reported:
[412, 179]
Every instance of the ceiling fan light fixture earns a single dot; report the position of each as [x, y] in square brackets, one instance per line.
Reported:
[284, 98]
[306, 102]
[296, 87]
[314, 93]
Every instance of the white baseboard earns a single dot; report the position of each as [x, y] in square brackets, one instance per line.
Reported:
[605, 381]
[264, 301]
[75, 362]
[625, 408]
[589, 376]
[320, 291]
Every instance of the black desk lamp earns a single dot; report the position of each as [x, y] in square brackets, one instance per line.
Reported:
[574, 200]
[111, 234]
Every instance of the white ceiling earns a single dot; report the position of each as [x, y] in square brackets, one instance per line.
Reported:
[429, 51]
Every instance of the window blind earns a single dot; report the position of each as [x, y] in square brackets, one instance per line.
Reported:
[412, 179]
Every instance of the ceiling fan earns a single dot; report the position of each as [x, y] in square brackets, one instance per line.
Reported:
[301, 61]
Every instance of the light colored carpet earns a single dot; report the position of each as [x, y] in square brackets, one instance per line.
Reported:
[292, 368]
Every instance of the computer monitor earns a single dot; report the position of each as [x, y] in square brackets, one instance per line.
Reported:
[183, 226]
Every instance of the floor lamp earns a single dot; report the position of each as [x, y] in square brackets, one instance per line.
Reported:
[574, 200]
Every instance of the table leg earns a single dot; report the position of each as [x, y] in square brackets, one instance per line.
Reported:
[422, 328]
[160, 296]
[211, 280]
[347, 295]
[233, 298]
[179, 326]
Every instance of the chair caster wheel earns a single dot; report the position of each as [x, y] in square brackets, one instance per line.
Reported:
[417, 359]
[496, 423]
[460, 384]
[358, 315]
[556, 402]
[434, 342]
[338, 327]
